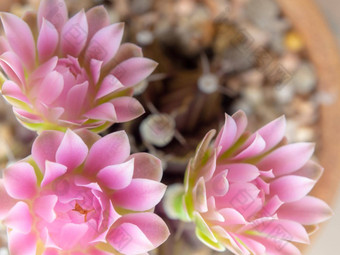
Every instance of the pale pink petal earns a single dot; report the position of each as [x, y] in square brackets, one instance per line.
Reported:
[283, 229]
[126, 51]
[7, 202]
[291, 188]
[256, 147]
[44, 68]
[26, 116]
[311, 170]
[105, 43]
[140, 195]
[218, 186]
[75, 100]
[45, 147]
[127, 108]
[20, 244]
[95, 68]
[232, 217]
[4, 46]
[272, 205]
[97, 18]
[273, 132]
[52, 171]
[307, 211]
[109, 150]
[50, 88]
[51, 251]
[72, 151]
[227, 135]
[152, 226]
[127, 238]
[241, 121]
[12, 66]
[147, 166]
[44, 207]
[117, 176]
[19, 218]
[109, 84]
[104, 111]
[200, 196]
[20, 38]
[11, 89]
[70, 234]
[254, 246]
[134, 70]
[20, 181]
[47, 41]
[241, 172]
[55, 11]
[298, 154]
[74, 35]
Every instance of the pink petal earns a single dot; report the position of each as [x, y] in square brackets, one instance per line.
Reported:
[297, 153]
[273, 132]
[45, 147]
[147, 166]
[226, 136]
[152, 226]
[70, 234]
[127, 108]
[134, 70]
[97, 18]
[127, 238]
[4, 46]
[110, 150]
[47, 41]
[311, 170]
[6, 201]
[55, 11]
[51, 251]
[291, 188]
[72, 151]
[256, 147]
[11, 89]
[271, 207]
[20, 181]
[105, 43]
[241, 121]
[74, 35]
[109, 84]
[106, 112]
[140, 195]
[52, 171]
[20, 38]
[241, 172]
[20, 244]
[19, 218]
[44, 207]
[126, 51]
[51, 87]
[12, 66]
[75, 100]
[307, 211]
[117, 176]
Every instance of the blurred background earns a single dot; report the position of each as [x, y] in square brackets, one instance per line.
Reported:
[265, 57]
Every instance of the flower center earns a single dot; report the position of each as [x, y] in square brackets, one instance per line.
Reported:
[79, 209]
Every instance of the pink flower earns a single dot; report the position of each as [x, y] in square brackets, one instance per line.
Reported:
[75, 197]
[70, 73]
[248, 192]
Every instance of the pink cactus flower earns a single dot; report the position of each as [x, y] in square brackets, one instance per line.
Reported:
[70, 73]
[248, 192]
[74, 197]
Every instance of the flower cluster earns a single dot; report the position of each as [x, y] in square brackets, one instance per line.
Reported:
[82, 194]
[70, 73]
[248, 192]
